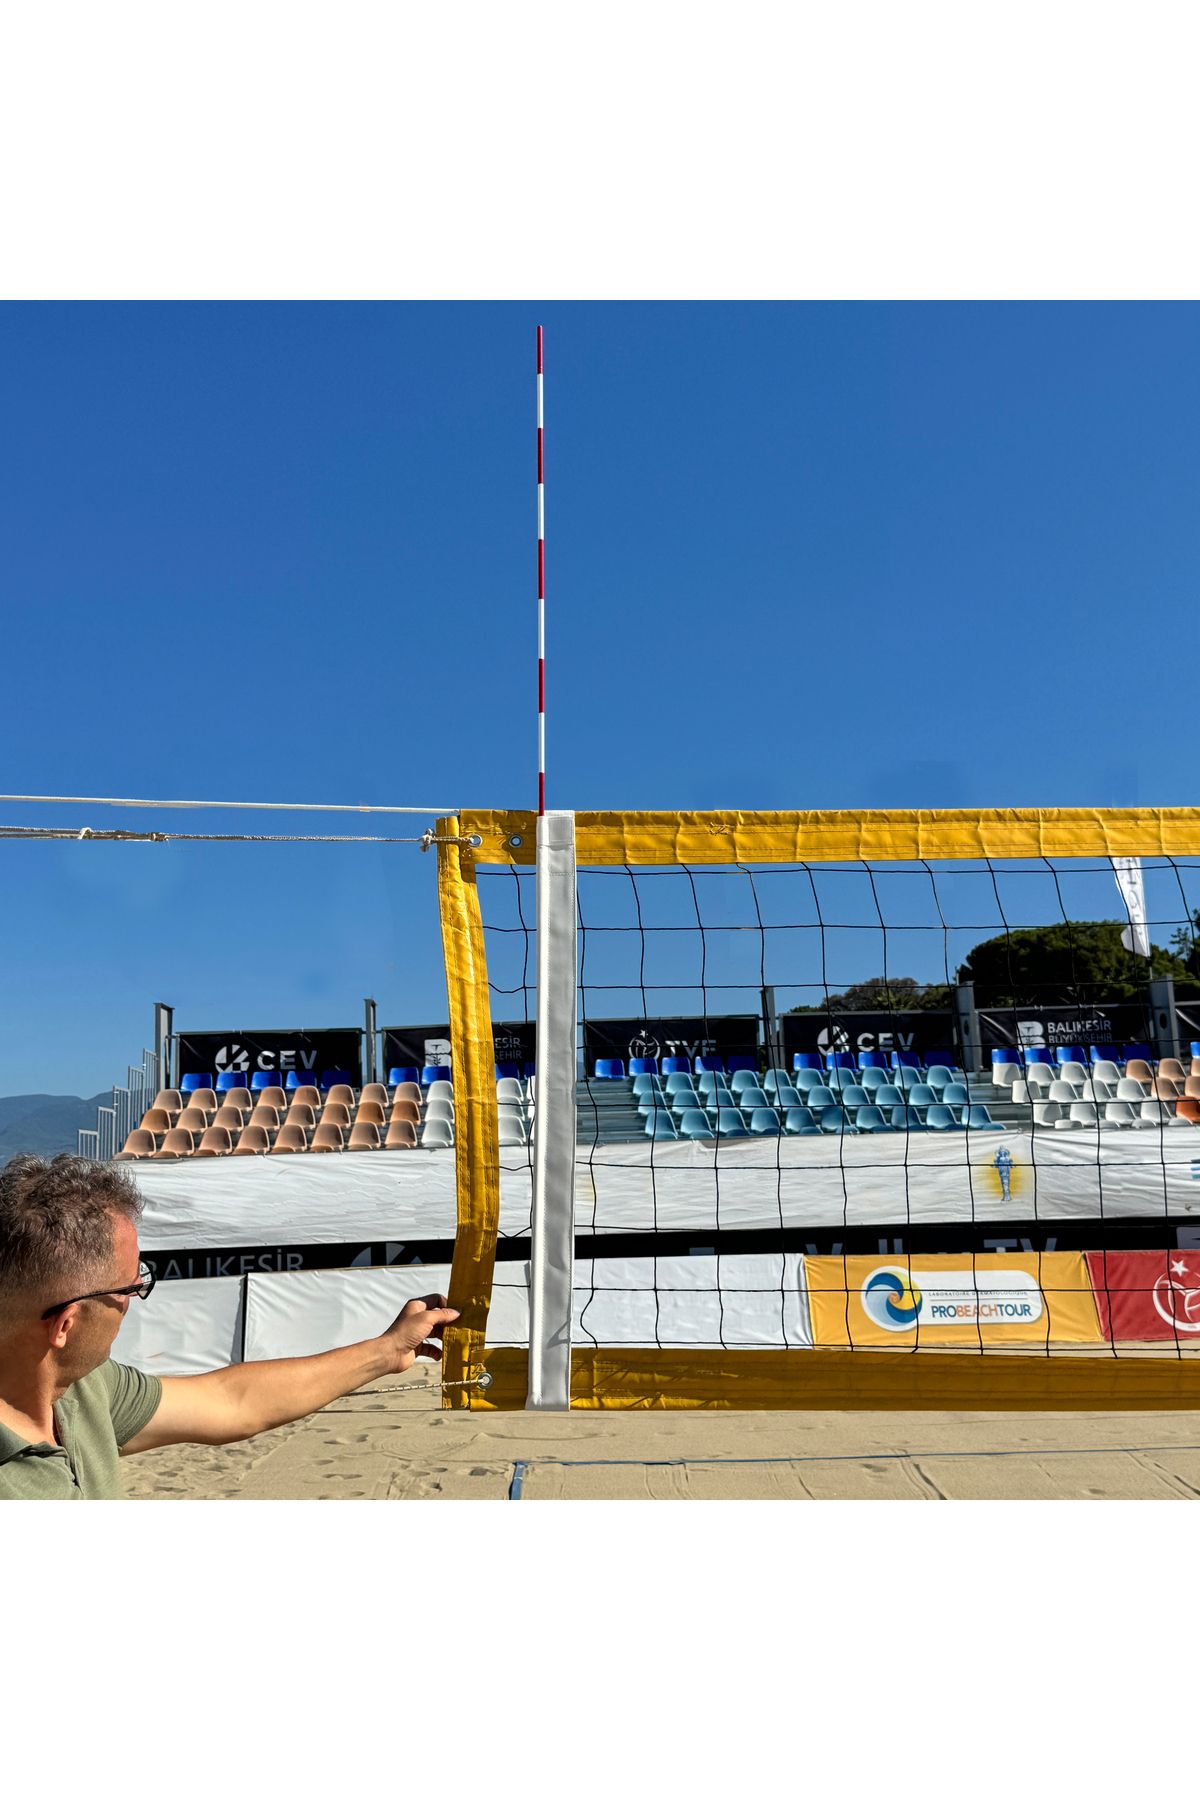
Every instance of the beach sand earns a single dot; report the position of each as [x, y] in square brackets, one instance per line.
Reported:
[401, 1445]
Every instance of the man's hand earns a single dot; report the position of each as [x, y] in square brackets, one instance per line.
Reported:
[418, 1331]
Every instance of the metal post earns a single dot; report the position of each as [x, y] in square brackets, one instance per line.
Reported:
[967, 1019]
[1163, 1016]
[774, 1036]
[552, 1246]
[164, 1026]
[369, 1064]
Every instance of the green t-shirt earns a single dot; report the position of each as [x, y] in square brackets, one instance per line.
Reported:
[94, 1418]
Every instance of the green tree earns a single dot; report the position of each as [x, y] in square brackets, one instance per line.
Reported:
[1059, 965]
[879, 993]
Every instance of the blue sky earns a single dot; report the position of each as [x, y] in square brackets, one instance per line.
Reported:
[798, 555]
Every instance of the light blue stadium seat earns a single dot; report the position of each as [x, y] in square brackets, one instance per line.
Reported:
[870, 1118]
[819, 1099]
[694, 1124]
[787, 1096]
[750, 1097]
[854, 1096]
[643, 1065]
[798, 1121]
[890, 1095]
[675, 1065]
[688, 1100]
[774, 1079]
[729, 1122]
[978, 1118]
[809, 1078]
[710, 1065]
[906, 1077]
[660, 1102]
[647, 1084]
[764, 1122]
[741, 1079]
[875, 1077]
[940, 1118]
[660, 1125]
[906, 1118]
[678, 1083]
[955, 1095]
[835, 1121]
[941, 1075]
[921, 1094]
[609, 1068]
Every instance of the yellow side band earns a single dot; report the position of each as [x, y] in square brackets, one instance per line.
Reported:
[649, 839]
[477, 1135]
[858, 1381]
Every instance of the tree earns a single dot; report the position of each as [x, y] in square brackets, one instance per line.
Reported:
[1060, 965]
[880, 993]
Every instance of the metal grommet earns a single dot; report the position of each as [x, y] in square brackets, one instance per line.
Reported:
[475, 841]
[515, 841]
[483, 1379]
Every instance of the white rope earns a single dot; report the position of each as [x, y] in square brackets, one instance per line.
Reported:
[86, 834]
[228, 805]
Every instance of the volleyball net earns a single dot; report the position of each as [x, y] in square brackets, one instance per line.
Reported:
[829, 1109]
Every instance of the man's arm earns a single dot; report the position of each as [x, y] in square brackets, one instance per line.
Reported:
[238, 1402]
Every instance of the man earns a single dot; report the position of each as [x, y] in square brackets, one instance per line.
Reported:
[69, 1271]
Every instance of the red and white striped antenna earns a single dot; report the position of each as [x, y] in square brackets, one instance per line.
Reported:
[541, 591]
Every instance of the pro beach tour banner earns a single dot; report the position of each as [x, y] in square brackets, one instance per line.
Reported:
[961, 1300]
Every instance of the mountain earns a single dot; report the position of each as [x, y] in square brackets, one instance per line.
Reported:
[45, 1123]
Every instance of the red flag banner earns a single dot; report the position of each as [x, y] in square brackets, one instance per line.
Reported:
[1145, 1295]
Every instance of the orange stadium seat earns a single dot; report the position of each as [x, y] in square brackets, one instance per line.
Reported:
[193, 1119]
[340, 1093]
[401, 1135]
[364, 1137]
[231, 1117]
[301, 1114]
[171, 1100]
[407, 1090]
[307, 1096]
[336, 1113]
[376, 1091]
[371, 1113]
[138, 1145]
[273, 1096]
[215, 1142]
[290, 1139]
[178, 1142]
[327, 1137]
[406, 1109]
[253, 1141]
[158, 1120]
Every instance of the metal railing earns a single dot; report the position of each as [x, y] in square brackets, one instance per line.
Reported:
[129, 1103]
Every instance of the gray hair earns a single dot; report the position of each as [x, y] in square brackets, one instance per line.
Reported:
[56, 1223]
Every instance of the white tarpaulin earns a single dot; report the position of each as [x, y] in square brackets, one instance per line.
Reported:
[734, 1184]
[184, 1328]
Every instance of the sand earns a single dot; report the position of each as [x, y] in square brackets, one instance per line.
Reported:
[401, 1445]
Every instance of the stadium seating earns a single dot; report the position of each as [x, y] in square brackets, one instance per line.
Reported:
[402, 1073]
[676, 1065]
[610, 1068]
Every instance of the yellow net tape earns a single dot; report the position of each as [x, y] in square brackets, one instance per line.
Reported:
[476, 1139]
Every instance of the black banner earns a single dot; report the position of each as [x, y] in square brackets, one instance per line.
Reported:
[1046, 1027]
[729, 1034]
[279, 1052]
[412, 1046]
[857, 1032]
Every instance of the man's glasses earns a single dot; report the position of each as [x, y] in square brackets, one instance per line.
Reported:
[137, 1290]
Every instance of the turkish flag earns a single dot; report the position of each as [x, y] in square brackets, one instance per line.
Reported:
[1143, 1295]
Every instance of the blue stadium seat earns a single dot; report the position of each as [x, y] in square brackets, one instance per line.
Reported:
[819, 1099]
[764, 1122]
[1070, 1053]
[940, 1075]
[940, 1118]
[647, 1084]
[799, 1122]
[940, 1059]
[742, 1081]
[1194, 1047]
[297, 1078]
[230, 1078]
[712, 1084]
[1009, 1053]
[432, 1072]
[660, 1124]
[891, 1095]
[749, 1098]
[854, 1096]
[807, 1059]
[643, 1065]
[609, 1068]
[978, 1118]
[741, 1062]
[774, 1079]
[510, 1071]
[872, 1059]
[786, 1096]
[905, 1059]
[870, 1118]
[1130, 1052]
[955, 1094]
[402, 1072]
[657, 1101]
[837, 1079]
[338, 1078]
[1034, 1053]
[677, 1083]
[265, 1078]
[694, 1124]
[841, 1059]
[836, 1121]
[710, 1065]
[809, 1078]
[906, 1076]
[906, 1118]
[921, 1094]
[1100, 1052]
[875, 1078]
[190, 1083]
[676, 1065]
